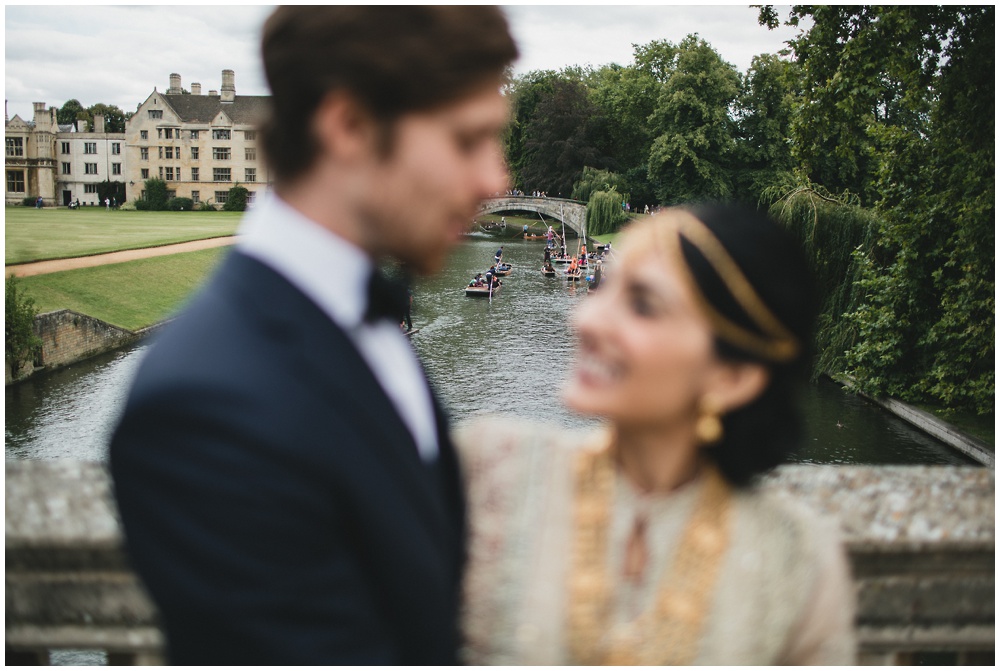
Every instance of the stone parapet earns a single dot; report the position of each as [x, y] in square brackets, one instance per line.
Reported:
[920, 538]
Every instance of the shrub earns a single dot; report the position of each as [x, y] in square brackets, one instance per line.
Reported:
[21, 343]
[180, 204]
[156, 194]
[29, 201]
[237, 199]
[129, 207]
[206, 207]
[142, 205]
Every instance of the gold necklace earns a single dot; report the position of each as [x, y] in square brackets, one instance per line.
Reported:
[669, 631]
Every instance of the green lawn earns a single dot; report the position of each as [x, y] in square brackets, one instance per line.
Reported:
[131, 295]
[49, 233]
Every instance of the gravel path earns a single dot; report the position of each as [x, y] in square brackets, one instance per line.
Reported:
[57, 265]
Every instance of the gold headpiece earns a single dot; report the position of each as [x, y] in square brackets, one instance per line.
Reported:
[777, 343]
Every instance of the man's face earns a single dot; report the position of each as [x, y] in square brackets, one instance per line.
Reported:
[443, 163]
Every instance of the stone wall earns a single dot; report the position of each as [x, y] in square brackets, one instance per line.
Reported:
[68, 337]
[920, 540]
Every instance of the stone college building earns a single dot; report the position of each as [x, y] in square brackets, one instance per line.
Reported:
[200, 145]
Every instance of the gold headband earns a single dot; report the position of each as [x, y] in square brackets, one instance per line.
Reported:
[777, 343]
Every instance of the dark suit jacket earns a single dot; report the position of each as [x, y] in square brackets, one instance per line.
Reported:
[272, 498]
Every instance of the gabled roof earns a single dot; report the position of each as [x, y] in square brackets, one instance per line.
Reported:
[203, 109]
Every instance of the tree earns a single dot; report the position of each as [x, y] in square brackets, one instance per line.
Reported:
[114, 117]
[156, 194]
[764, 111]
[692, 154]
[604, 212]
[20, 342]
[592, 180]
[236, 201]
[561, 138]
[898, 107]
[113, 191]
[70, 112]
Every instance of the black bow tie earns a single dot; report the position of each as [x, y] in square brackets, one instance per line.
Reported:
[387, 299]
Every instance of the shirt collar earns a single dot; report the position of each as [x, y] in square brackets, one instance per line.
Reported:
[325, 267]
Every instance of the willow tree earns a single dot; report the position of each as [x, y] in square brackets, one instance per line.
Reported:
[604, 212]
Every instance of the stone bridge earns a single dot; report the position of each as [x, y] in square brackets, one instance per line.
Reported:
[573, 213]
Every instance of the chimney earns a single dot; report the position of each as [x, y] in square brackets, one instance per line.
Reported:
[195, 89]
[213, 92]
[82, 126]
[98, 123]
[39, 113]
[228, 86]
[175, 84]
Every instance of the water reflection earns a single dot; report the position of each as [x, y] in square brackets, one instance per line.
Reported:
[507, 355]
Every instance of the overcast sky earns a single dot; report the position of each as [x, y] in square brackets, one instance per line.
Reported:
[117, 54]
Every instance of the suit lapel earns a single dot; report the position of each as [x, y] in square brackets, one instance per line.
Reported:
[325, 354]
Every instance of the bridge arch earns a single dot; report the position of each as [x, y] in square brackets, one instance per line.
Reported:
[573, 213]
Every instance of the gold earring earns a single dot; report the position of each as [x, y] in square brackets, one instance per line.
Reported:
[708, 427]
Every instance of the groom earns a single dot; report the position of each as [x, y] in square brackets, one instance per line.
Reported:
[285, 479]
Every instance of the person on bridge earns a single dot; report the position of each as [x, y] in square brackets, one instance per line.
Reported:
[645, 541]
[287, 485]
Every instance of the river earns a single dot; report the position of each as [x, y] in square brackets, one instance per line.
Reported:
[507, 355]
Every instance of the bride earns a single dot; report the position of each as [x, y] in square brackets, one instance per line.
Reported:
[646, 542]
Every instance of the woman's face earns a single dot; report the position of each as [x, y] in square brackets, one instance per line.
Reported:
[645, 353]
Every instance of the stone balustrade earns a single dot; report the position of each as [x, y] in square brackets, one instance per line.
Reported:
[921, 542]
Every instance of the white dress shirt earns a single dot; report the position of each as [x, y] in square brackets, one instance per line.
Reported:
[334, 274]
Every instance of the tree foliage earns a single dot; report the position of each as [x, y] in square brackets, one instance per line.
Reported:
[73, 111]
[604, 212]
[156, 195]
[236, 201]
[21, 344]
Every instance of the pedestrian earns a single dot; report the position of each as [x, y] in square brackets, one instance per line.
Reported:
[286, 482]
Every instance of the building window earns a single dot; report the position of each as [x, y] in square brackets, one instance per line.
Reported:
[220, 135]
[66, 169]
[116, 168]
[144, 153]
[251, 197]
[171, 194]
[169, 133]
[145, 173]
[155, 114]
[250, 174]
[168, 152]
[195, 175]
[15, 147]
[159, 133]
[90, 188]
[221, 197]
[65, 147]
[178, 171]
[90, 168]
[221, 175]
[194, 152]
[116, 148]
[194, 135]
[144, 135]
[89, 147]
[170, 175]
[15, 180]
[249, 135]
[220, 153]
[196, 196]
[251, 153]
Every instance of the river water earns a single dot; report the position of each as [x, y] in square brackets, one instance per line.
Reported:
[507, 355]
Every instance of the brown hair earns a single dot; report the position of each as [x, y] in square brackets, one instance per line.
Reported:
[393, 60]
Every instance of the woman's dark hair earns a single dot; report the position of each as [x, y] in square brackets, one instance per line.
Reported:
[765, 432]
[393, 60]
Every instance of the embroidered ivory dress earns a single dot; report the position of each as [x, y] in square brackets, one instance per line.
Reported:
[773, 588]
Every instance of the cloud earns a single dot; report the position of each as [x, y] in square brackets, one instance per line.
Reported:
[117, 54]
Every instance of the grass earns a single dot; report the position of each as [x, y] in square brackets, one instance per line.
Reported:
[49, 233]
[132, 295]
